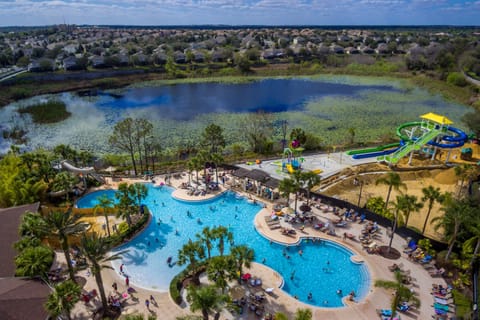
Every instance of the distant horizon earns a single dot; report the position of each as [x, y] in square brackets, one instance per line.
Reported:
[30, 13]
[211, 25]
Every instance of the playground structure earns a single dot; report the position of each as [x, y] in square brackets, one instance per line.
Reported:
[290, 162]
[429, 134]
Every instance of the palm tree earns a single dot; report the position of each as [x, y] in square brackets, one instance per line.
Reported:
[222, 234]
[393, 181]
[401, 292]
[206, 299]
[106, 204]
[431, 195]
[466, 172]
[96, 250]
[62, 225]
[474, 228]
[216, 159]
[196, 164]
[311, 179]
[34, 262]
[138, 191]
[456, 215]
[396, 208]
[192, 253]
[408, 204]
[297, 185]
[63, 299]
[126, 204]
[221, 269]
[286, 187]
[243, 256]
[204, 156]
[303, 314]
[207, 238]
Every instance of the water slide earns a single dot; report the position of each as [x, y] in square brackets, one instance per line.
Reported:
[399, 150]
[410, 146]
[374, 149]
[89, 170]
[374, 154]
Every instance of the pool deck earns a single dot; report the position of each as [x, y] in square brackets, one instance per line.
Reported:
[280, 301]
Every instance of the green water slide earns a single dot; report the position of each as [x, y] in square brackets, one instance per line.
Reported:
[374, 149]
[410, 146]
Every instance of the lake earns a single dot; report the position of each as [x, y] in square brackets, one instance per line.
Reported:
[326, 106]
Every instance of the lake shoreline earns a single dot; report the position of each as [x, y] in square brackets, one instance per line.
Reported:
[24, 89]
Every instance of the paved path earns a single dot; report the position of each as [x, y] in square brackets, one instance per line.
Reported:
[329, 163]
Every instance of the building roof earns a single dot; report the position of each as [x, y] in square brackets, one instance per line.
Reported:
[22, 299]
[436, 118]
[11, 218]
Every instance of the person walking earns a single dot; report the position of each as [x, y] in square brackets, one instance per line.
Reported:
[127, 281]
[147, 304]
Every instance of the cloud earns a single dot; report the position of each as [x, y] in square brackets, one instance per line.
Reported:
[158, 12]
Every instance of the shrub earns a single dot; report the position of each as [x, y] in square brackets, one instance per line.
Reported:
[426, 246]
[457, 79]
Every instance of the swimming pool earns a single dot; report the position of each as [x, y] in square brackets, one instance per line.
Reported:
[322, 269]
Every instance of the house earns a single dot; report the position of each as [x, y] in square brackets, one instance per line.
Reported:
[70, 63]
[160, 58]
[198, 56]
[139, 59]
[97, 61]
[179, 57]
[41, 65]
[70, 49]
[352, 50]
[334, 48]
[366, 50]
[20, 299]
[382, 48]
[270, 54]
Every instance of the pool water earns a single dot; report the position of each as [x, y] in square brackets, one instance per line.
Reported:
[322, 269]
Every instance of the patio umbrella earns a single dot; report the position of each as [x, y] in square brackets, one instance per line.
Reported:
[305, 208]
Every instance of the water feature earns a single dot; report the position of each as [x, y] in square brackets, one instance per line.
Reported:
[325, 106]
[322, 269]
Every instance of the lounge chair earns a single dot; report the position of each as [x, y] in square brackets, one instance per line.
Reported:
[395, 267]
[442, 307]
[274, 226]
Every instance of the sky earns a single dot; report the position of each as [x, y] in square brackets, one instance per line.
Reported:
[240, 12]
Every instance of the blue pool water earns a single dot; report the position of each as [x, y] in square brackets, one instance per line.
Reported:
[323, 268]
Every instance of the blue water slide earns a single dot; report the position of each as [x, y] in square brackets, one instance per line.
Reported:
[453, 141]
[374, 154]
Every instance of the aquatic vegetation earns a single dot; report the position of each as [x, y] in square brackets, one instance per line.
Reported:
[374, 108]
[47, 112]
